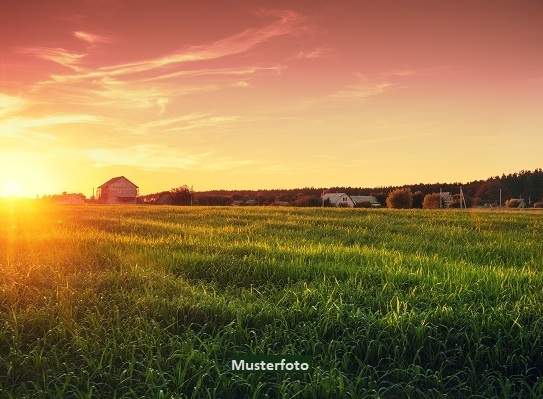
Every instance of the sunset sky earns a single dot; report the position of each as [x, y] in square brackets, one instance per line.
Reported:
[267, 94]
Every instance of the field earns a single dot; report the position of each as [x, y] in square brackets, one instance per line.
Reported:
[153, 302]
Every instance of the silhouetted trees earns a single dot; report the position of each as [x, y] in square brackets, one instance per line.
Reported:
[524, 184]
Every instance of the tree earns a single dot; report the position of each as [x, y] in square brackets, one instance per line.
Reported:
[181, 195]
[307, 200]
[401, 198]
[431, 201]
[489, 193]
[418, 199]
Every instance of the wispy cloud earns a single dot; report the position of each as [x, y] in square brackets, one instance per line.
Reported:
[186, 122]
[401, 72]
[288, 23]
[319, 52]
[10, 104]
[244, 71]
[144, 157]
[34, 130]
[160, 157]
[91, 38]
[128, 96]
[58, 55]
[363, 90]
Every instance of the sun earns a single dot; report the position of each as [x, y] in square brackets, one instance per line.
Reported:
[12, 189]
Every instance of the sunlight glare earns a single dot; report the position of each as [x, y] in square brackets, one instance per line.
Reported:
[12, 188]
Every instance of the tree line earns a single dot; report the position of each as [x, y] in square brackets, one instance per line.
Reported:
[526, 185]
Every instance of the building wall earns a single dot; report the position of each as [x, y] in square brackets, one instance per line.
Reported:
[119, 192]
[345, 200]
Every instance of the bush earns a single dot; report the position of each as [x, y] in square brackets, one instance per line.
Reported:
[431, 201]
[538, 204]
[401, 198]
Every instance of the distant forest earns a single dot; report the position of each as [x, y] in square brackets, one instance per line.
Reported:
[525, 184]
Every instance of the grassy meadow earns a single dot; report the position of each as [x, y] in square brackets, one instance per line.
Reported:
[153, 302]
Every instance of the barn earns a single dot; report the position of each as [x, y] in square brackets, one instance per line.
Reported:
[118, 190]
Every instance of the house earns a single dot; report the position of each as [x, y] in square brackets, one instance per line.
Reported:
[366, 199]
[446, 199]
[118, 190]
[516, 203]
[340, 200]
[343, 200]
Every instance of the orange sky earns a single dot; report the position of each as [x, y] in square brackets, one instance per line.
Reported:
[267, 94]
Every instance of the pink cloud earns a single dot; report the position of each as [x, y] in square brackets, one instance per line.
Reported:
[288, 23]
[319, 52]
[58, 55]
[91, 38]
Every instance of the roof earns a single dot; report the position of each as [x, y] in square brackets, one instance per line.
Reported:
[357, 199]
[333, 197]
[115, 179]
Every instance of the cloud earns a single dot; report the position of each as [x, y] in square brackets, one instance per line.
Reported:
[160, 157]
[129, 96]
[58, 55]
[319, 52]
[91, 38]
[28, 129]
[363, 90]
[186, 122]
[10, 104]
[244, 71]
[403, 72]
[144, 157]
[288, 23]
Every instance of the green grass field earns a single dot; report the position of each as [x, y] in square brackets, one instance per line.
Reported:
[153, 302]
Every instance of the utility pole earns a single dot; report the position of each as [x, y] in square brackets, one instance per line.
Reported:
[462, 199]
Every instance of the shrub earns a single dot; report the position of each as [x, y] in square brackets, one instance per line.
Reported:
[401, 198]
[431, 201]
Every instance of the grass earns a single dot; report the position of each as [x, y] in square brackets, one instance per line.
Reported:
[153, 302]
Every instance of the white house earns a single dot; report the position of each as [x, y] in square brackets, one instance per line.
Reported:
[343, 200]
[520, 201]
[118, 190]
[446, 199]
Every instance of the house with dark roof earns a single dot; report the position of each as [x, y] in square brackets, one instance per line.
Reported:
[118, 190]
[343, 200]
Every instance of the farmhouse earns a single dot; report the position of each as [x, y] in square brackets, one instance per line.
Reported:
[516, 203]
[446, 199]
[118, 190]
[361, 199]
[349, 201]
